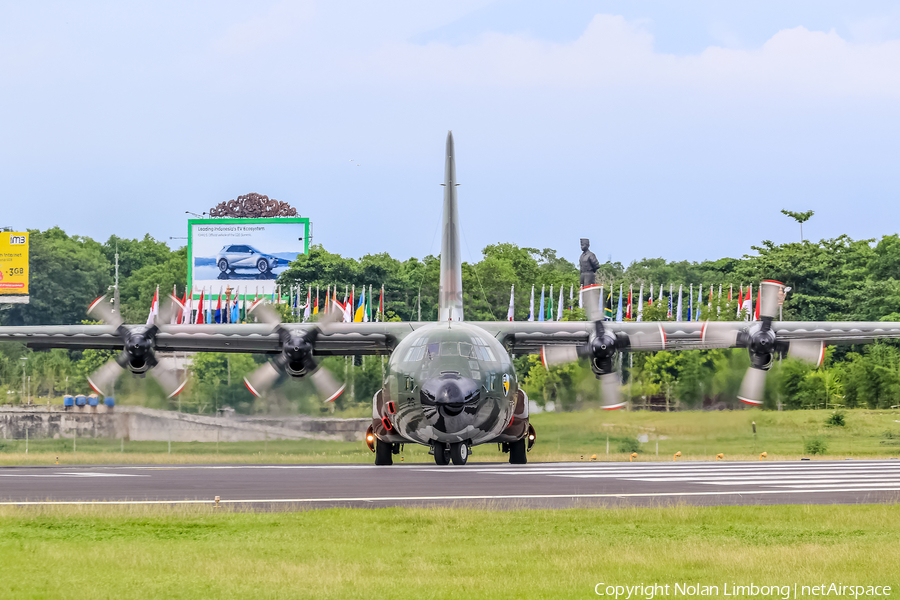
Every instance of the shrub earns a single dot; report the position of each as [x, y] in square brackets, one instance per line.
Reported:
[629, 445]
[815, 445]
[836, 419]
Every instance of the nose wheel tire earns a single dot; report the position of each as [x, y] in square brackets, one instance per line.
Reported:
[517, 454]
[459, 453]
[223, 265]
[441, 454]
[383, 453]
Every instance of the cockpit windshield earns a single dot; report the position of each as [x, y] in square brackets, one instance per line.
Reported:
[423, 348]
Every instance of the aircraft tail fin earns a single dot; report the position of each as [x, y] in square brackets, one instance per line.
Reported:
[450, 291]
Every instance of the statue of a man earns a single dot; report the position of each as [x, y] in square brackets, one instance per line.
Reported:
[589, 264]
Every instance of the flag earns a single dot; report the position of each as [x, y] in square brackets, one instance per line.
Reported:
[650, 297]
[327, 298]
[559, 309]
[512, 299]
[200, 320]
[381, 305]
[690, 302]
[747, 303]
[730, 289]
[235, 310]
[628, 309]
[699, 302]
[360, 309]
[531, 306]
[186, 314]
[550, 304]
[756, 312]
[154, 307]
[571, 296]
[346, 305]
[209, 307]
[661, 295]
[369, 305]
[640, 310]
[669, 315]
[316, 307]
[678, 310]
[541, 313]
[218, 317]
[307, 310]
[243, 315]
[619, 307]
[608, 305]
[581, 297]
[740, 303]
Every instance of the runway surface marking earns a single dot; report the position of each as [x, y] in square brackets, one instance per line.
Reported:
[537, 484]
[442, 498]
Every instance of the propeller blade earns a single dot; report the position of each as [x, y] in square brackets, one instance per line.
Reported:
[558, 355]
[611, 391]
[719, 334]
[265, 313]
[103, 379]
[753, 387]
[590, 296]
[262, 379]
[171, 307]
[101, 310]
[326, 385]
[811, 352]
[653, 339]
[166, 373]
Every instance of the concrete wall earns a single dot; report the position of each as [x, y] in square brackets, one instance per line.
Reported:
[138, 423]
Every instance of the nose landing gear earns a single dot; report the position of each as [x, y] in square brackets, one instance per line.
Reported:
[457, 453]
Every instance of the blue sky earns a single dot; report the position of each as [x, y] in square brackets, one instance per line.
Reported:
[654, 128]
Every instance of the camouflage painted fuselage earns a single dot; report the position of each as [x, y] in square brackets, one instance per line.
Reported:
[448, 382]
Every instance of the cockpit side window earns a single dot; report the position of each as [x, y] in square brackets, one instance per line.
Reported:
[483, 351]
[432, 351]
[416, 351]
[465, 349]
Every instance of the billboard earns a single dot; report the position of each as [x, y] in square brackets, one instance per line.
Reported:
[246, 255]
[13, 266]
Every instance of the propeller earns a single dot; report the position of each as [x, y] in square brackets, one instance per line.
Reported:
[138, 354]
[761, 342]
[296, 357]
[602, 347]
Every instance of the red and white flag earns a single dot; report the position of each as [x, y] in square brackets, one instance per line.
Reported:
[154, 307]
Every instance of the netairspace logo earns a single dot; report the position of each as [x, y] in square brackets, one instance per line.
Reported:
[785, 592]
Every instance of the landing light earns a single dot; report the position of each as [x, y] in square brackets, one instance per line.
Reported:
[531, 437]
[370, 437]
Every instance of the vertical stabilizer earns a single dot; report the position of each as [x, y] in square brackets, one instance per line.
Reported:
[450, 305]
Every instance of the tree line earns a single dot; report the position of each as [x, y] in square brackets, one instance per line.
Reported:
[832, 279]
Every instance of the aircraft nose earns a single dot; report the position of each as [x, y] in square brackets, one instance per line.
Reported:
[450, 390]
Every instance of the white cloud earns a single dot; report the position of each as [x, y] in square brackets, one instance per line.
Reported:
[614, 52]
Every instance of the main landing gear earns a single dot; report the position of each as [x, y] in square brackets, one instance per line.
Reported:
[384, 452]
[457, 452]
[516, 451]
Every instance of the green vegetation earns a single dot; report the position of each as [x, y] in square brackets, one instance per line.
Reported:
[202, 552]
[560, 436]
[831, 279]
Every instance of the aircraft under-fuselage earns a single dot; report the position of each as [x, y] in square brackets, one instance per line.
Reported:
[449, 384]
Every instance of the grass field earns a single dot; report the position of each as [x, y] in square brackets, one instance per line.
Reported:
[138, 552]
[561, 436]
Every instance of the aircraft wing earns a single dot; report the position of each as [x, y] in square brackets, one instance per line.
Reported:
[529, 337]
[340, 339]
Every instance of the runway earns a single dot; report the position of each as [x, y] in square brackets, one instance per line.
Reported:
[497, 485]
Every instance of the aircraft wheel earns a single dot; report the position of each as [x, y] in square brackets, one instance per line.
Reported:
[441, 454]
[459, 453]
[262, 266]
[223, 265]
[517, 453]
[383, 453]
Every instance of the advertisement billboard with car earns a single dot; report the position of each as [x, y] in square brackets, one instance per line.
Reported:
[246, 255]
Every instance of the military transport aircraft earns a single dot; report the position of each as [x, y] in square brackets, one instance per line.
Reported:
[449, 385]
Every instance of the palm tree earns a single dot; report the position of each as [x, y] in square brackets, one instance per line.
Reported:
[800, 217]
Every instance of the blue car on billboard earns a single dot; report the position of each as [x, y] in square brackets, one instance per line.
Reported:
[242, 256]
